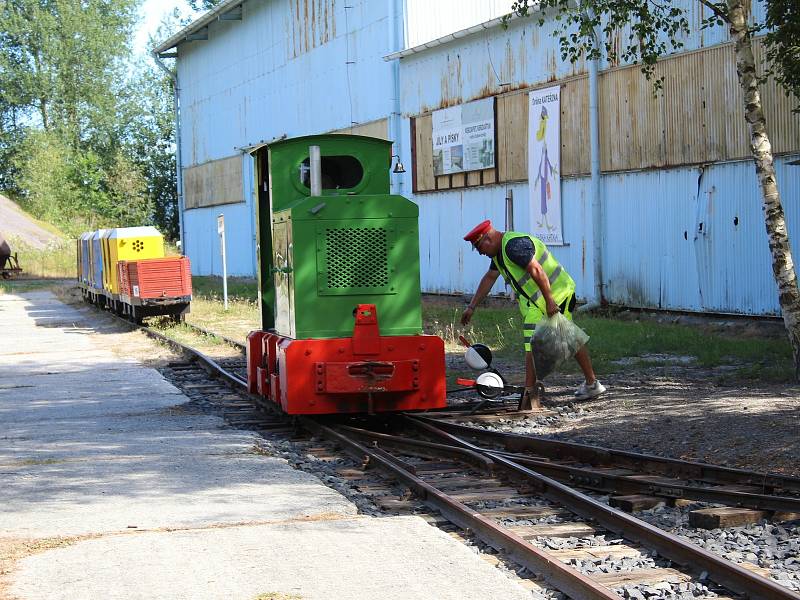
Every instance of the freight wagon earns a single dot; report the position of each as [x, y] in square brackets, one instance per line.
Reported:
[125, 270]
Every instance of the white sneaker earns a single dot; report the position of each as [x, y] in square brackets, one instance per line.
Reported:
[584, 392]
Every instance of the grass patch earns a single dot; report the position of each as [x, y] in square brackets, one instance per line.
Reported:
[613, 340]
[56, 260]
[19, 286]
[239, 288]
[208, 311]
[616, 345]
[183, 334]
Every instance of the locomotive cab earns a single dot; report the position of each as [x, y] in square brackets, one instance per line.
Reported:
[342, 264]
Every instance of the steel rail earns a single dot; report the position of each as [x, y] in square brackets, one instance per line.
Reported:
[605, 482]
[672, 467]
[484, 463]
[629, 484]
[208, 363]
[566, 579]
[672, 547]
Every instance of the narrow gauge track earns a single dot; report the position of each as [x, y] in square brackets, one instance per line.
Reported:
[462, 481]
[621, 472]
[612, 471]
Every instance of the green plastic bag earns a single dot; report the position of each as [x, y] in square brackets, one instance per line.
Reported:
[555, 340]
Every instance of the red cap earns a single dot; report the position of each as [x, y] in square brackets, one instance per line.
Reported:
[474, 235]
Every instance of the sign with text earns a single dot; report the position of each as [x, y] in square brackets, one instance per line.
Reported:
[463, 137]
[544, 164]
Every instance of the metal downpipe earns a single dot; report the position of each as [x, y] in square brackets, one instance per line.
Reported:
[598, 229]
[173, 75]
[397, 43]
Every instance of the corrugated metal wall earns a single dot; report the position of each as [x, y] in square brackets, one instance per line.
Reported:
[655, 252]
[679, 239]
[696, 119]
[284, 70]
[427, 20]
[289, 67]
[694, 239]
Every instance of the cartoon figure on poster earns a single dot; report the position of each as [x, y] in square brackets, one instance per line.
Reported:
[545, 171]
[544, 165]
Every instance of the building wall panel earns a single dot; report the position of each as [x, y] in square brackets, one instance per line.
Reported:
[694, 239]
[675, 239]
[426, 21]
[215, 182]
[271, 74]
[490, 63]
[202, 241]
[378, 129]
[698, 118]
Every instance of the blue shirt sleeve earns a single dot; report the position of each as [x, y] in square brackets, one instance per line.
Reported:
[520, 251]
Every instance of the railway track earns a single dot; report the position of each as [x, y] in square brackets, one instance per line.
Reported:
[510, 492]
[616, 472]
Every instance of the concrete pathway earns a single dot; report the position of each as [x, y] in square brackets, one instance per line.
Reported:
[142, 499]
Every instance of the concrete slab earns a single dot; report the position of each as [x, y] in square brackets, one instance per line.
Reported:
[157, 501]
[400, 558]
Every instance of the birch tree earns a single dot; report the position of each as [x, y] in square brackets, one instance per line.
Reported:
[656, 28]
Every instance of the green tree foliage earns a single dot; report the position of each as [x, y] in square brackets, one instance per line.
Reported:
[783, 44]
[198, 5]
[61, 57]
[153, 145]
[85, 133]
[77, 189]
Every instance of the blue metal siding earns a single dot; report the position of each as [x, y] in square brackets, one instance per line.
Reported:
[523, 55]
[448, 265]
[253, 80]
[475, 67]
[655, 253]
[202, 243]
[276, 72]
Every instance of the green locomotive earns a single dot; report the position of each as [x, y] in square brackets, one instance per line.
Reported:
[339, 284]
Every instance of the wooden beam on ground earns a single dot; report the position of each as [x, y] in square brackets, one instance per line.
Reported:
[716, 518]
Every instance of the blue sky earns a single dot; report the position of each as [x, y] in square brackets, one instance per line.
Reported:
[151, 13]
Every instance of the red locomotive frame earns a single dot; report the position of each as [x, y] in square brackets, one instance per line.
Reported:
[365, 373]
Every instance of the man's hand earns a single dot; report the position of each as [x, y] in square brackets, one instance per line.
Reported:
[466, 317]
[552, 307]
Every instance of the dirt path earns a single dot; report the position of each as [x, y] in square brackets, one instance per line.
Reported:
[15, 225]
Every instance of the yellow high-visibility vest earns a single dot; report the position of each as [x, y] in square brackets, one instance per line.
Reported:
[562, 286]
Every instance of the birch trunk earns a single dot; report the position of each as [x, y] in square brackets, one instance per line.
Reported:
[782, 263]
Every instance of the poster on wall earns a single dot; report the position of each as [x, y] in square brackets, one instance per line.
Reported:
[463, 137]
[544, 164]
[448, 147]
